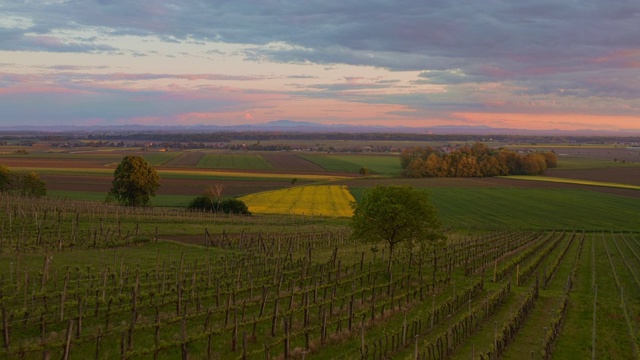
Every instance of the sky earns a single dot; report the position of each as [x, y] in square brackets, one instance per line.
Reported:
[527, 64]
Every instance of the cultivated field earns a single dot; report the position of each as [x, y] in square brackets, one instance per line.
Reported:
[531, 268]
[313, 200]
[102, 283]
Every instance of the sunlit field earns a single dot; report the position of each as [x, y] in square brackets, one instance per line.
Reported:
[320, 200]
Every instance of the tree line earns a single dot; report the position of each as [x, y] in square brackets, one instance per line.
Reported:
[27, 184]
[476, 160]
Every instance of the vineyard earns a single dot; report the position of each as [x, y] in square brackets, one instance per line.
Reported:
[87, 280]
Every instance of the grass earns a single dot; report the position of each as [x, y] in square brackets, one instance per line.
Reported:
[377, 164]
[331, 200]
[234, 161]
[481, 208]
[159, 158]
[159, 200]
[492, 208]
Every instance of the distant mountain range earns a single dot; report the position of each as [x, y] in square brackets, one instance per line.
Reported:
[311, 127]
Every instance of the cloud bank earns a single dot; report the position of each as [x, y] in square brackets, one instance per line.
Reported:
[419, 62]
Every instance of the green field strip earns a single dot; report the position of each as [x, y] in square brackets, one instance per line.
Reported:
[376, 164]
[160, 158]
[159, 200]
[535, 209]
[630, 288]
[574, 340]
[612, 336]
[529, 337]
[493, 208]
[482, 340]
[572, 181]
[234, 161]
[331, 163]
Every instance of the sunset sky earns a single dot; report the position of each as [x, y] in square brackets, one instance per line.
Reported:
[543, 64]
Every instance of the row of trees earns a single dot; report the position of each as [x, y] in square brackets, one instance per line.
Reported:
[474, 161]
[27, 184]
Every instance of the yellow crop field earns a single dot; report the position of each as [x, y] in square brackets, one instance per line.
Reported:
[320, 200]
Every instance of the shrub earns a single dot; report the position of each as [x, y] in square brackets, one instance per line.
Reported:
[205, 203]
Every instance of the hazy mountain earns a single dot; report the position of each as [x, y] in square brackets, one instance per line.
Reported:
[311, 127]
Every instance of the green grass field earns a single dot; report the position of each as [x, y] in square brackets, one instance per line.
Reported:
[388, 165]
[234, 161]
[159, 158]
[493, 208]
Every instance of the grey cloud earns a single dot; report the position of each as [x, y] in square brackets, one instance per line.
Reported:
[541, 46]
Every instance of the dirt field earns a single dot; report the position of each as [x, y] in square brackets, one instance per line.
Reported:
[622, 175]
[167, 187]
[604, 153]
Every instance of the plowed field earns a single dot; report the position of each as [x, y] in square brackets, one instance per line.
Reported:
[193, 187]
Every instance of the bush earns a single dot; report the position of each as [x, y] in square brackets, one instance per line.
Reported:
[205, 203]
[234, 206]
[202, 203]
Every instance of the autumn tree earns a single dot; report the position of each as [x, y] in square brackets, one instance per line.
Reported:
[473, 161]
[32, 185]
[395, 215]
[134, 182]
[6, 178]
[29, 184]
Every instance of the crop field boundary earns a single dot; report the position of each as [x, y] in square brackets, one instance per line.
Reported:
[572, 181]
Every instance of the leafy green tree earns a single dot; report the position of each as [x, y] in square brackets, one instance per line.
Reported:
[6, 178]
[134, 182]
[32, 185]
[234, 206]
[396, 214]
[205, 203]
[202, 203]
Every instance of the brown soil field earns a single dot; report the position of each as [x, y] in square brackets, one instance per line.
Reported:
[628, 155]
[622, 175]
[167, 187]
[289, 161]
[17, 162]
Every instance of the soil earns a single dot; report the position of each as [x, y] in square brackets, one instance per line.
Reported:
[167, 187]
[622, 175]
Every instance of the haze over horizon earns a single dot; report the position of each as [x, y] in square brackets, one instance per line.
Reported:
[536, 65]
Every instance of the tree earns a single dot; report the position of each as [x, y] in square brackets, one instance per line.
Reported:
[32, 185]
[396, 214]
[233, 206]
[6, 178]
[134, 181]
